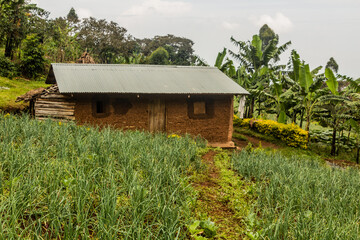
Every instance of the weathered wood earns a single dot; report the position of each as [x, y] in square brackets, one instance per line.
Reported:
[56, 96]
[55, 101]
[54, 112]
[57, 106]
[53, 115]
[157, 116]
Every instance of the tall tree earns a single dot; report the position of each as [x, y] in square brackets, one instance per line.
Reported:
[266, 34]
[61, 43]
[14, 23]
[105, 40]
[72, 16]
[33, 61]
[332, 64]
[180, 49]
[159, 57]
[256, 64]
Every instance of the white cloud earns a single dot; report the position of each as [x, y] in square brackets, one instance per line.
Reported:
[84, 13]
[230, 26]
[34, 1]
[152, 7]
[279, 23]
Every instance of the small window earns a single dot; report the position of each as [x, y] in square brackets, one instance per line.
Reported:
[199, 108]
[99, 107]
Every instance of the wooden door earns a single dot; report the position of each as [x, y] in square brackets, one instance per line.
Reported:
[157, 116]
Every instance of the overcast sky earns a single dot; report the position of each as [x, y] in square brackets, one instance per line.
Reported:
[318, 29]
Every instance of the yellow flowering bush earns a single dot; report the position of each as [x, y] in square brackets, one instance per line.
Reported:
[290, 134]
[174, 136]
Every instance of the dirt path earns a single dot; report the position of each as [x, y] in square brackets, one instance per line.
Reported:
[255, 142]
[212, 201]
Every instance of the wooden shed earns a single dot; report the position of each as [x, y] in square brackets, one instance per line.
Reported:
[172, 99]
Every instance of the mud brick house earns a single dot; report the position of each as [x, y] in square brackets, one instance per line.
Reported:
[172, 99]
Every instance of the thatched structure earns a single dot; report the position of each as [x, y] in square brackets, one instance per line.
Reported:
[85, 59]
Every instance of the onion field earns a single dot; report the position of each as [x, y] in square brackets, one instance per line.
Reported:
[302, 199]
[59, 180]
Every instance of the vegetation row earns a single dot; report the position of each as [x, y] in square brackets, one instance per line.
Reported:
[59, 180]
[300, 198]
[290, 134]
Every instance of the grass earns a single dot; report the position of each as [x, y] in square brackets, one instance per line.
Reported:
[240, 137]
[11, 89]
[59, 180]
[224, 198]
[244, 131]
[301, 198]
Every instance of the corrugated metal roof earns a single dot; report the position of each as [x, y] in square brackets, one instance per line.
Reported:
[141, 79]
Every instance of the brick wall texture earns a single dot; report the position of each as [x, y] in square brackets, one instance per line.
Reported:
[131, 112]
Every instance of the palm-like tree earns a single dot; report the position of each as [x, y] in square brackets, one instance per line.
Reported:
[225, 64]
[256, 64]
[305, 86]
[338, 105]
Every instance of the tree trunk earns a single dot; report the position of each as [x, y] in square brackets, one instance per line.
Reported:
[348, 138]
[294, 117]
[307, 127]
[301, 118]
[357, 155]
[333, 142]
[9, 47]
[251, 111]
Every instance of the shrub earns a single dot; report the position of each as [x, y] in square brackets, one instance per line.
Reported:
[159, 57]
[7, 68]
[290, 134]
[33, 61]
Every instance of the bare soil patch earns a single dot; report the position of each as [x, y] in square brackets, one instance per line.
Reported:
[255, 142]
[341, 163]
[211, 202]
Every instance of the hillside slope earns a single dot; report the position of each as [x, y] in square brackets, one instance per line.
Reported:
[11, 89]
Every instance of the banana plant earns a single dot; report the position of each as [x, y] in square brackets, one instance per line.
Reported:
[336, 106]
[226, 67]
[356, 128]
[306, 84]
[256, 64]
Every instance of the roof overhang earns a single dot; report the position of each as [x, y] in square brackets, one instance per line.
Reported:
[141, 79]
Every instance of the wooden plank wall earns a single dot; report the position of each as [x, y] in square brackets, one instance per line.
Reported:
[55, 106]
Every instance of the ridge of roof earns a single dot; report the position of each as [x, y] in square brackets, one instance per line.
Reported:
[130, 65]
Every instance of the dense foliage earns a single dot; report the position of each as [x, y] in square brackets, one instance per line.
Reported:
[290, 134]
[64, 39]
[301, 199]
[59, 180]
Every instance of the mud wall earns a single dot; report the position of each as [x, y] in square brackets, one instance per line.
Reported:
[131, 117]
[132, 113]
[214, 128]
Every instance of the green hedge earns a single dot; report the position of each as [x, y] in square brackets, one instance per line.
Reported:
[290, 134]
